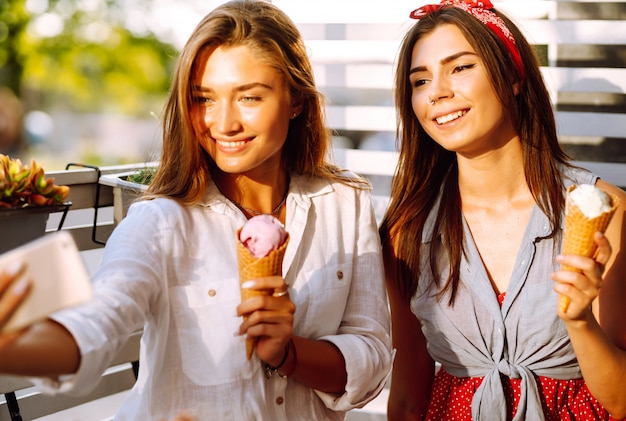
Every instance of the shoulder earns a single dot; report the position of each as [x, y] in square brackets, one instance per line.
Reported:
[155, 205]
[616, 194]
[577, 175]
[612, 189]
[154, 211]
[343, 182]
[332, 197]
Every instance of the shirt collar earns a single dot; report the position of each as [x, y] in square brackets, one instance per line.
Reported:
[301, 187]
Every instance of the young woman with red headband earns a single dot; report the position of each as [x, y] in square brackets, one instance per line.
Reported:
[473, 234]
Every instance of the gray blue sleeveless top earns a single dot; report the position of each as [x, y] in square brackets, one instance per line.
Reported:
[478, 337]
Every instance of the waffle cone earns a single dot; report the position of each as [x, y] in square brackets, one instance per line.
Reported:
[251, 267]
[578, 234]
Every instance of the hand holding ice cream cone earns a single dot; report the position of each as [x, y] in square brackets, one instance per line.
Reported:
[588, 210]
[261, 245]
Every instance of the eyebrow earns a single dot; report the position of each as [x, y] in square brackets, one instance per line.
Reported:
[444, 60]
[240, 88]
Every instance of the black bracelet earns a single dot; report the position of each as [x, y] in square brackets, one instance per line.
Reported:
[270, 369]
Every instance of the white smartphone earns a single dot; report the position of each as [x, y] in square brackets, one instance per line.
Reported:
[58, 275]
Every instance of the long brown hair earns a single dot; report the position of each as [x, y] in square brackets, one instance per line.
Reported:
[185, 167]
[425, 169]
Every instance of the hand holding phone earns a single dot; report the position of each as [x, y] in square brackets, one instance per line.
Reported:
[57, 274]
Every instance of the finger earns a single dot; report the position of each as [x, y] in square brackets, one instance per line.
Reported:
[578, 287]
[587, 282]
[579, 301]
[265, 282]
[577, 262]
[273, 285]
[271, 326]
[265, 302]
[604, 251]
[10, 274]
[282, 315]
[282, 312]
[12, 299]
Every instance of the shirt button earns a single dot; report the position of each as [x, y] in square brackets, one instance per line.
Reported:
[279, 400]
[339, 274]
[212, 293]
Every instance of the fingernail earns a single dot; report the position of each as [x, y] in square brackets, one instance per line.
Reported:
[247, 284]
[14, 268]
[20, 287]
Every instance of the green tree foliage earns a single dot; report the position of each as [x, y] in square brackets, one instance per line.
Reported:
[13, 21]
[81, 54]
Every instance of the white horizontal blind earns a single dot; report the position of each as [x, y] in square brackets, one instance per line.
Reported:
[354, 43]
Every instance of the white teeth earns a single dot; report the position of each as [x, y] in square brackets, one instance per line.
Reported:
[447, 118]
[230, 144]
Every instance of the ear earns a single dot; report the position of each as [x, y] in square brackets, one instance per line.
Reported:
[516, 86]
[297, 105]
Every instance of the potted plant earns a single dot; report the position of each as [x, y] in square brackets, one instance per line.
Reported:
[127, 187]
[27, 197]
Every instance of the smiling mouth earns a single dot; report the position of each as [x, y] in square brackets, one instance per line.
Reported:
[231, 144]
[450, 117]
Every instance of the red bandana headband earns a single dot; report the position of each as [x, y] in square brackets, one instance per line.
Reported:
[480, 10]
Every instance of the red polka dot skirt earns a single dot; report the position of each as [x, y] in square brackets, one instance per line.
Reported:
[561, 400]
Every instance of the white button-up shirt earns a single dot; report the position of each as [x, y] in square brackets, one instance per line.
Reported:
[172, 271]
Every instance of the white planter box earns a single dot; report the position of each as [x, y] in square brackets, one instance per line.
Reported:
[124, 192]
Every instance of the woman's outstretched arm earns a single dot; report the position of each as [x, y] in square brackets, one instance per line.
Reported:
[44, 349]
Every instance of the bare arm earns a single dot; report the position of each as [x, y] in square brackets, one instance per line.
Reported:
[45, 349]
[319, 365]
[595, 321]
[413, 368]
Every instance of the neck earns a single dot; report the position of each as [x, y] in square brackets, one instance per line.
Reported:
[276, 212]
[255, 197]
[493, 177]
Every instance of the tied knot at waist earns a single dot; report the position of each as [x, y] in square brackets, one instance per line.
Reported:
[510, 370]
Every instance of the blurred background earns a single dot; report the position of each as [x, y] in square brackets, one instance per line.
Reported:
[85, 80]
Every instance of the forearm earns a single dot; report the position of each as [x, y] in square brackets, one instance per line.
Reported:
[413, 368]
[603, 364]
[317, 364]
[409, 394]
[45, 349]
[401, 407]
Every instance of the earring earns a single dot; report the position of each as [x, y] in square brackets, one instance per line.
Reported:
[294, 115]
